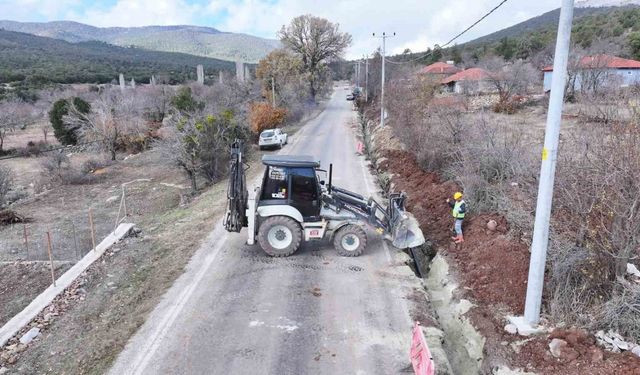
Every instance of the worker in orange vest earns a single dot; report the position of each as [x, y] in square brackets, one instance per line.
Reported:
[458, 210]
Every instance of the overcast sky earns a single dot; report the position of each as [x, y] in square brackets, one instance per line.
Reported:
[417, 24]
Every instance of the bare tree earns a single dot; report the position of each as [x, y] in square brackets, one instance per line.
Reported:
[510, 80]
[14, 114]
[316, 41]
[113, 116]
[154, 101]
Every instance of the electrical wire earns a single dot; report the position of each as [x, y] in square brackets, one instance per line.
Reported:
[452, 39]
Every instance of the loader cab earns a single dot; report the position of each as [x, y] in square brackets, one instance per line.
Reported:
[291, 180]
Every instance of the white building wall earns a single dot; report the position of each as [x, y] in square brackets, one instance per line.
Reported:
[627, 77]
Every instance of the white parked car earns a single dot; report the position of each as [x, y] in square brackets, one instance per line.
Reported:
[272, 138]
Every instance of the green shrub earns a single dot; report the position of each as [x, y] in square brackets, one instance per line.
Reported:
[64, 133]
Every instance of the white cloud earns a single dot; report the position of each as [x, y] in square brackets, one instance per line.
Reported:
[28, 10]
[142, 13]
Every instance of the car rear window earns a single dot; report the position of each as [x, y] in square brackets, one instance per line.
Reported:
[268, 133]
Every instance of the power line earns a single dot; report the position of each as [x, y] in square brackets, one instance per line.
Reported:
[454, 38]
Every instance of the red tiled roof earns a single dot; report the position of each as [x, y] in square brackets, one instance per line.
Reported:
[473, 74]
[603, 61]
[439, 68]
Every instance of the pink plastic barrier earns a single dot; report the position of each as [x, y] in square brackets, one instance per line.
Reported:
[420, 354]
[360, 148]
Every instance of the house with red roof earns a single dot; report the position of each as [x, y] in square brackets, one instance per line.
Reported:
[470, 81]
[442, 69]
[598, 71]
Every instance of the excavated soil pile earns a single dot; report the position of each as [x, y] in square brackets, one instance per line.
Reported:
[580, 356]
[493, 271]
[492, 266]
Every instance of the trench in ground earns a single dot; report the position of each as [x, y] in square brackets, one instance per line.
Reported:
[462, 343]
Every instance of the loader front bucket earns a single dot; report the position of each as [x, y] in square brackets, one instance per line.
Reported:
[406, 232]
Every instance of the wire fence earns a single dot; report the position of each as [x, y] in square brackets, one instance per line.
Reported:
[65, 240]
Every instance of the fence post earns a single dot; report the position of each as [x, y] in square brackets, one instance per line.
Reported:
[124, 200]
[119, 210]
[75, 238]
[93, 232]
[53, 276]
[26, 239]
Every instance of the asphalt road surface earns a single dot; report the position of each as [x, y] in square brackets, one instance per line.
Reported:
[238, 311]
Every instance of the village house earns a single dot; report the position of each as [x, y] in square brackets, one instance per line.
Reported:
[592, 72]
[469, 82]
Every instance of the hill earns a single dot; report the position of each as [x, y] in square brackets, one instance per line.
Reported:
[34, 60]
[536, 24]
[194, 40]
[612, 30]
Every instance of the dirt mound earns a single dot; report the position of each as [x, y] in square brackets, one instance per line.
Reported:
[492, 265]
[584, 356]
[493, 270]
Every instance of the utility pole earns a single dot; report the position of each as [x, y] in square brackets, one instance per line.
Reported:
[273, 92]
[355, 74]
[384, 40]
[366, 79]
[547, 173]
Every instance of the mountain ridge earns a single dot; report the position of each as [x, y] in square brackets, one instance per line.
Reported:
[191, 39]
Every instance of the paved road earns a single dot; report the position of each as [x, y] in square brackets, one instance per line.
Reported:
[238, 311]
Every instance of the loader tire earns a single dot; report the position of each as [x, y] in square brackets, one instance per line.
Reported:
[350, 241]
[280, 236]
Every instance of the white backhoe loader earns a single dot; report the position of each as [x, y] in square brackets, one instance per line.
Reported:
[293, 205]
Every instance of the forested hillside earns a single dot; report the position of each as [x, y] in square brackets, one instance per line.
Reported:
[194, 40]
[611, 30]
[35, 60]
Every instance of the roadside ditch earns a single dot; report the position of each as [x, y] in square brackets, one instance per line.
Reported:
[456, 346]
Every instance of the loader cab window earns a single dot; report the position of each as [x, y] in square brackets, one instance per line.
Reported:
[305, 192]
[276, 183]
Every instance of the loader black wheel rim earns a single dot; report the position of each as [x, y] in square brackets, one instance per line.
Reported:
[279, 237]
[350, 242]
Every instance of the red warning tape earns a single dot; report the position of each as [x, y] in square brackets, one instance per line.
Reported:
[420, 354]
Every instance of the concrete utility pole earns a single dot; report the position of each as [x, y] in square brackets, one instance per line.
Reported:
[200, 74]
[384, 40]
[240, 71]
[366, 78]
[121, 81]
[355, 74]
[273, 92]
[547, 172]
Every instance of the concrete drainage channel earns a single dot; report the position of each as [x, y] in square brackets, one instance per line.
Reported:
[462, 344]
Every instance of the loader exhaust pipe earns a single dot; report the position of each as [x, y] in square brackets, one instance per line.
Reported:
[330, 178]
